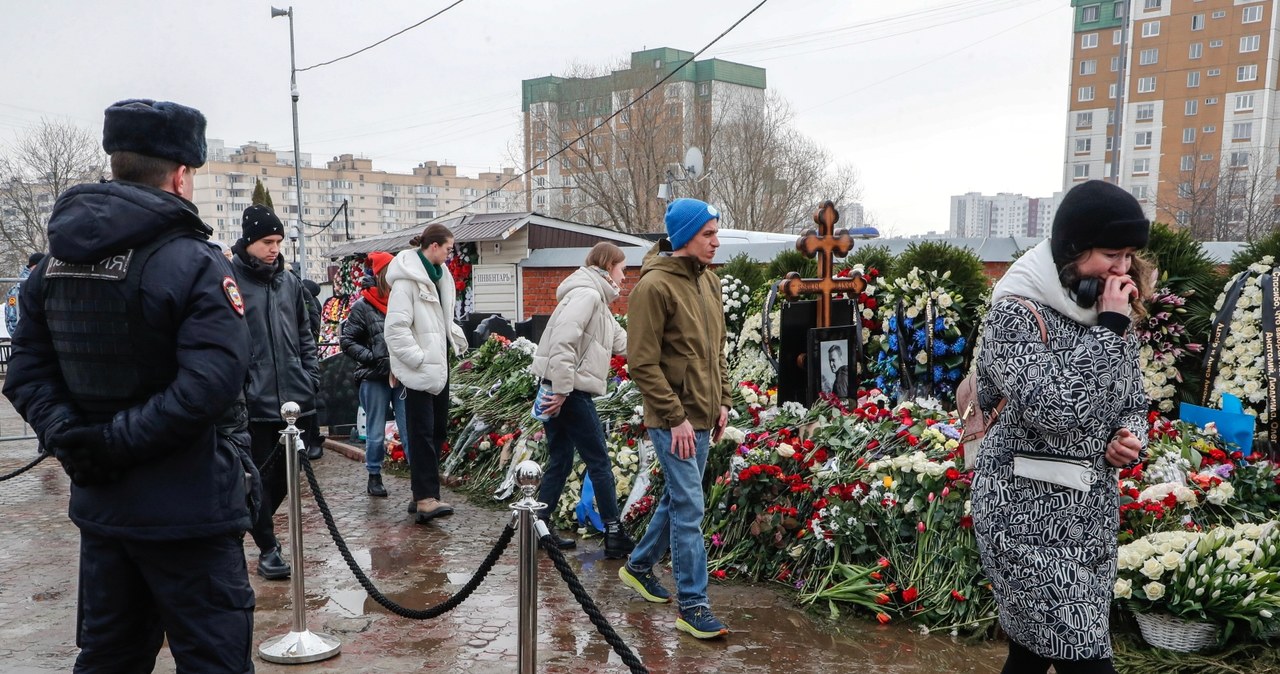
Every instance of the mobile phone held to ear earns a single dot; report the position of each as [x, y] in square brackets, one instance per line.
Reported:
[1087, 291]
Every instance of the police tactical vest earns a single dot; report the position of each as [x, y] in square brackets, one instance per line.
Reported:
[111, 359]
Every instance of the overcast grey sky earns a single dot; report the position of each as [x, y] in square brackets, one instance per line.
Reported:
[927, 98]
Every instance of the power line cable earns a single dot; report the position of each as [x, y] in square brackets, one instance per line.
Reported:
[604, 121]
[396, 34]
[931, 61]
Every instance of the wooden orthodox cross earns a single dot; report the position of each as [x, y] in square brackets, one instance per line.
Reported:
[825, 243]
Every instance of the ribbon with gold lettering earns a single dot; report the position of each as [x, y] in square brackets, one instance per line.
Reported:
[1271, 346]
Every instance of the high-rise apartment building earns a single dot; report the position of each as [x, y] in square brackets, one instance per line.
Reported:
[377, 201]
[641, 145]
[1194, 84]
[975, 215]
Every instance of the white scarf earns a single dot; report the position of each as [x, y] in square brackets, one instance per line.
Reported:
[1035, 277]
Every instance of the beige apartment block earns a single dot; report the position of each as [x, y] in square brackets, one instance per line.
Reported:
[1193, 83]
[377, 201]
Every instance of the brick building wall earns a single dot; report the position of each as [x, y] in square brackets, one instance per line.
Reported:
[540, 285]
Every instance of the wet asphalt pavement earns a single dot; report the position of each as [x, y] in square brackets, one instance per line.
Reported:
[418, 566]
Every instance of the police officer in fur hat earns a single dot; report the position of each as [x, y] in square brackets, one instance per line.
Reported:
[131, 348]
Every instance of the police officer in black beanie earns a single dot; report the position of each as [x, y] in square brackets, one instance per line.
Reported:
[131, 347]
[285, 366]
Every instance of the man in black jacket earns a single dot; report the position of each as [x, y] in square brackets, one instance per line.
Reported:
[284, 365]
[132, 345]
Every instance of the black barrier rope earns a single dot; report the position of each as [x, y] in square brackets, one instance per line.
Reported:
[25, 468]
[412, 614]
[589, 607]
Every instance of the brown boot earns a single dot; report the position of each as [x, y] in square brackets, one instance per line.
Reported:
[430, 508]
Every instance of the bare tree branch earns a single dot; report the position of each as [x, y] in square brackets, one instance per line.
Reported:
[34, 172]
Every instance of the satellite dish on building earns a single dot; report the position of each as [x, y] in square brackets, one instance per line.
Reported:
[693, 162]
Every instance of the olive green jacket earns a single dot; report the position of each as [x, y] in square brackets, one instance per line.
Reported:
[675, 342]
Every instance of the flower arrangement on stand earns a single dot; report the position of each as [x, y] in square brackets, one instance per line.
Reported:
[922, 342]
[1243, 362]
[1165, 344]
[737, 300]
[460, 265]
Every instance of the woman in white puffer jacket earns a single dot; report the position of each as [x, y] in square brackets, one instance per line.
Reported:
[419, 330]
[573, 359]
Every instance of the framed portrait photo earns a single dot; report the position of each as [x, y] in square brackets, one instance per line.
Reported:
[832, 362]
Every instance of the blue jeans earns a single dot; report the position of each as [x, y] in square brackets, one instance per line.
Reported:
[578, 425]
[677, 522]
[375, 395]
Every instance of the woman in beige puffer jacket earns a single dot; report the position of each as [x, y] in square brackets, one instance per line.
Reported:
[573, 361]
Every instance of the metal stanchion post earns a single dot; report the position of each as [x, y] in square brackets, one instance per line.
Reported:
[300, 645]
[528, 477]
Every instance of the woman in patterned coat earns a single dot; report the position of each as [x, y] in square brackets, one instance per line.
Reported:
[1045, 494]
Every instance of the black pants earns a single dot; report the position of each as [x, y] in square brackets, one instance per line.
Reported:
[578, 426]
[133, 594]
[426, 427]
[1023, 661]
[264, 439]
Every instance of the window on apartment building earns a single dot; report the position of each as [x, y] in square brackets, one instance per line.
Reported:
[1214, 44]
[1244, 102]
[1189, 135]
[1252, 14]
[1142, 139]
[1242, 131]
[1240, 159]
[1140, 192]
[1196, 51]
[582, 162]
[1206, 157]
[1080, 171]
[1115, 64]
[1090, 14]
[1145, 112]
[1192, 107]
[1219, 13]
[1089, 66]
[1118, 9]
[1117, 36]
[1214, 72]
[220, 207]
[1212, 100]
[1197, 22]
[704, 88]
[1209, 129]
[564, 162]
[1083, 145]
[1109, 139]
[1111, 91]
[1187, 163]
[1184, 190]
[1111, 115]
[625, 117]
[1084, 120]
[1148, 57]
[1183, 218]
[1250, 43]
[1142, 165]
[1088, 40]
[1146, 85]
[1193, 78]
[1149, 5]
[582, 107]
[1085, 94]
[1247, 73]
[1151, 29]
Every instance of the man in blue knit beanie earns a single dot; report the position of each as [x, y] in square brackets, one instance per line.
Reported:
[675, 354]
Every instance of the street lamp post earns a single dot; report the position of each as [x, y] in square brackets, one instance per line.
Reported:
[297, 154]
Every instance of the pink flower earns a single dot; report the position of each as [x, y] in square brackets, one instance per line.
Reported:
[716, 541]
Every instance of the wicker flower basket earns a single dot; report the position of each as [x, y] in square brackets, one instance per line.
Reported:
[1176, 634]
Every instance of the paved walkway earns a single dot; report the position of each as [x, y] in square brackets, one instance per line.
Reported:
[419, 566]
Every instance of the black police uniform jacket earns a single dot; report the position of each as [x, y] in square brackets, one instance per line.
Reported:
[362, 340]
[284, 364]
[182, 479]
